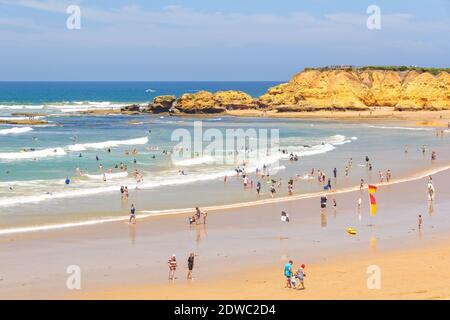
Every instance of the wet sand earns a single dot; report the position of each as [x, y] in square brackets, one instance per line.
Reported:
[242, 243]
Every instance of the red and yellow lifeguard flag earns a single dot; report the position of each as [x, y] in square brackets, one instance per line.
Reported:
[373, 202]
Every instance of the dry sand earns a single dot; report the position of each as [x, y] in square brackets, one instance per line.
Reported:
[410, 274]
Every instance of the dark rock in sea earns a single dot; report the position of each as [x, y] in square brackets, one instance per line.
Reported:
[161, 104]
[131, 108]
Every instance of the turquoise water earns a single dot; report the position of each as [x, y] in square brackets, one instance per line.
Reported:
[36, 160]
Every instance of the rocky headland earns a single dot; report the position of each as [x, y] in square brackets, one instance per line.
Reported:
[329, 88]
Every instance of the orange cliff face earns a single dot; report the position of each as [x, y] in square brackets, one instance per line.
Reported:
[358, 90]
[312, 90]
[207, 102]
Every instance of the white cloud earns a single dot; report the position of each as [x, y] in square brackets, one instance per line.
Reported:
[179, 27]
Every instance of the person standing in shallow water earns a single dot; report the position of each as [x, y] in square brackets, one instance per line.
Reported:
[132, 214]
[258, 187]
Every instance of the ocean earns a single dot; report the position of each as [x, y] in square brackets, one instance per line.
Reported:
[68, 172]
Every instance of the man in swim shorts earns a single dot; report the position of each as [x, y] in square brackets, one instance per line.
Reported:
[288, 273]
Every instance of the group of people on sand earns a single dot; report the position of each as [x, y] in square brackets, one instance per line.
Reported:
[124, 192]
[173, 265]
[382, 176]
[198, 217]
[294, 277]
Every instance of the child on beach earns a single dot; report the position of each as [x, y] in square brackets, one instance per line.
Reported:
[300, 275]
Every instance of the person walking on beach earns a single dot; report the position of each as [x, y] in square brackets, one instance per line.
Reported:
[380, 173]
[198, 214]
[172, 263]
[258, 187]
[433, 155]
[300, 275]
[323, 202]
[190, 265]
[388, 175]
[420, 222]
[288, 273]
[272, 190]
[132, 214]
[335, 173]
[431, 190]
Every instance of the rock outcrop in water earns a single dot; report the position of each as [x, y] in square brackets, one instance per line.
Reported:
[359, 89]
[203, 102]
[335, 88]
[161, 104]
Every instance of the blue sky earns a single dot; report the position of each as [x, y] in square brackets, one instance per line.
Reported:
[214, 39]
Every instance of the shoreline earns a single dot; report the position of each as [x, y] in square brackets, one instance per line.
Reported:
[425, 118]
[146, 214]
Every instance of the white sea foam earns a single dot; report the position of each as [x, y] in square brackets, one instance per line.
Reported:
[20, 118]
[15, 130]
[107, 144]
[402, 128]
[108, 176]
[74, 106]
[60, 151]
[195, 161]
[21, 106]
[94, 184]
[33, 154]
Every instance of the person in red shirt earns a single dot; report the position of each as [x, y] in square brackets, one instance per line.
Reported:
[172, 267]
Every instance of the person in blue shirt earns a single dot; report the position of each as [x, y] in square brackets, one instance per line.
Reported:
[288, 273]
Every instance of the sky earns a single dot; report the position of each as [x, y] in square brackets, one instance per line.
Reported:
[217, 40]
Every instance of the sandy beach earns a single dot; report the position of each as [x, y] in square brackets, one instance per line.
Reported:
[122, 261]
[420, 117]
[409, 274]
